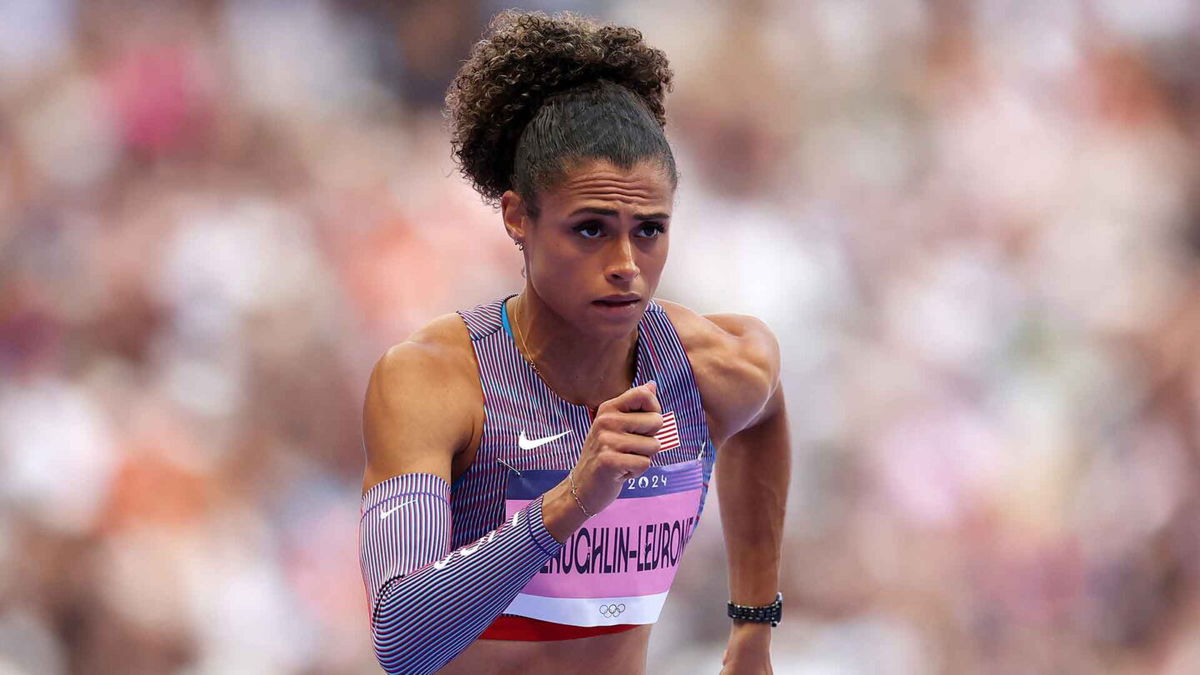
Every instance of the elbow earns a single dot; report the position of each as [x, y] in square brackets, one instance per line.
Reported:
[386, 620]
[403, 636]
[395, 656]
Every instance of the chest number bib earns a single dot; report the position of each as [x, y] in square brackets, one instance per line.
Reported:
[618, 566]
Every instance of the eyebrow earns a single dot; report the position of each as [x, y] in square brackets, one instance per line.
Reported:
[611, 212]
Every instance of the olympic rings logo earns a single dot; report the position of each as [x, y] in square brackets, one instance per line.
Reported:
[611, 611]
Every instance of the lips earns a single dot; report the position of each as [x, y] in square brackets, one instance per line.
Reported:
[618, 300]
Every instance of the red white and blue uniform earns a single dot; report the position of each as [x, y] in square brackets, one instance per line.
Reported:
[445, 565]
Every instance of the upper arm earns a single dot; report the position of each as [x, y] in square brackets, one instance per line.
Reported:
[414, 415]
[754, 383]
[736, 362]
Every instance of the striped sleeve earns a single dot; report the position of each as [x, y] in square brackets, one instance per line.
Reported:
[429, 603]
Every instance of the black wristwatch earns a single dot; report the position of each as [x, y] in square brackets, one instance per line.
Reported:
[772, 613]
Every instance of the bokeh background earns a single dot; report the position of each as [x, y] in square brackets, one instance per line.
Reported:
[974, 226]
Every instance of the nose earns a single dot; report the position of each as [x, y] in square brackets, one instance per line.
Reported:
[622, 267]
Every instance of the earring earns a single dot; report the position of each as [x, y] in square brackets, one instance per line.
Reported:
[520, 245]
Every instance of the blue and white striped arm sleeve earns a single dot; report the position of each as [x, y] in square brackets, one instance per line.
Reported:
[429, 603]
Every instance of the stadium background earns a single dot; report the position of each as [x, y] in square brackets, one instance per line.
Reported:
[973, 227]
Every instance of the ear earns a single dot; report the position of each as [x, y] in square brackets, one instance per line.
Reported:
[516, 215]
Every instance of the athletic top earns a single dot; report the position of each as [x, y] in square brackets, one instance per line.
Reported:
[426, 610]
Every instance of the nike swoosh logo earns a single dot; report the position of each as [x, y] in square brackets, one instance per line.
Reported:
[527, 444]
[387, 512]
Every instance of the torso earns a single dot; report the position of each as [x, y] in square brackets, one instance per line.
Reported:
[519, 401]
[721, 370]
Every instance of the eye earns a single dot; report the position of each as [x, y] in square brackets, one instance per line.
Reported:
[590, 226]
[652, 230]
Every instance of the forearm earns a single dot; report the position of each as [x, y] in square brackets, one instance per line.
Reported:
[753, 471]
[428, 603]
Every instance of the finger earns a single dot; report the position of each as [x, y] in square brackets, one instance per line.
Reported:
[643, 398]
[644, 423]
[630, 466]
[636, 444]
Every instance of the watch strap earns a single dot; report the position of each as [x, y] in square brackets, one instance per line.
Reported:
[771, 613]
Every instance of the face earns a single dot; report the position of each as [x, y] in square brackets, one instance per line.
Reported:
[601, 232]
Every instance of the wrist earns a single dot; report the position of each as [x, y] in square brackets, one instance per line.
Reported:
[560, 514]
[746, 636]
[750, 628]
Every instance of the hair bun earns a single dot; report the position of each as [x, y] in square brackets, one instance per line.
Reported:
[526, 57]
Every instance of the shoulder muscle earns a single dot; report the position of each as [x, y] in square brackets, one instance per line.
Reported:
[736, 361]
[417, 413]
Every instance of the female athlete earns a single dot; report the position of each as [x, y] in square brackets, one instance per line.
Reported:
[535, 465]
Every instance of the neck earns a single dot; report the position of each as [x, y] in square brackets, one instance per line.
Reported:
[582, 368]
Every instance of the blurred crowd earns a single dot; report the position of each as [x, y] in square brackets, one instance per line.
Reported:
[974, 227]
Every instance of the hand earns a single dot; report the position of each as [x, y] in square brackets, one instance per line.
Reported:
[619, 445]
[748, 651]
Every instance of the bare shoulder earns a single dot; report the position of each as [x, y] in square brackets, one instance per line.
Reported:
[423, 403]
[736, 362]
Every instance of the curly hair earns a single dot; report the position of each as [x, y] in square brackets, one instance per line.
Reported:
[538, 92]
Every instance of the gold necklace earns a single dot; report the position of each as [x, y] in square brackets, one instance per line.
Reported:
[526, 354]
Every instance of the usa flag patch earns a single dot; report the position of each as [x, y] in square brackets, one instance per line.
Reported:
[668, 435]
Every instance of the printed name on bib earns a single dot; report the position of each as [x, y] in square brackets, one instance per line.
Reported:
[622, 549]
